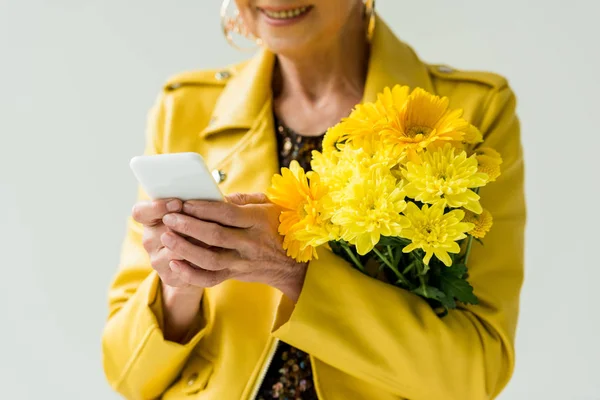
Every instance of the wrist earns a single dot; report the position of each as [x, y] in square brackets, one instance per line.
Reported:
[188, 294]
[292, 286]
[181, 307]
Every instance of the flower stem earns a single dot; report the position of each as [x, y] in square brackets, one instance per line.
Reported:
[409, 267]
[470, 239]
[423, 285]
[392, 266]
[468, 251]
[383, 258]
[353, 256]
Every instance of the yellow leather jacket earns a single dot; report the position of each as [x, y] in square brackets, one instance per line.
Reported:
[367, 339]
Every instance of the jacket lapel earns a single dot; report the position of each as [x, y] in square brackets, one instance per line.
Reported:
[245, 105]
[393, 62]
[244, 96]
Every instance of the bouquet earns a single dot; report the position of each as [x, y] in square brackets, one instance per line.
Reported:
[395, 193]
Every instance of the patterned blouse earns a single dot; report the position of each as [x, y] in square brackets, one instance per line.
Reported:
[289, 376]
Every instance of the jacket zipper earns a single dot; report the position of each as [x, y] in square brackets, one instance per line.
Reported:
[314, 377]
[265, 369]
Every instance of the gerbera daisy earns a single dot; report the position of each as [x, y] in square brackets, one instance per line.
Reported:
[424, 119]
[302, 221]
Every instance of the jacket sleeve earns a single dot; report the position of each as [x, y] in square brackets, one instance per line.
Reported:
[138, 362]
[391, 338]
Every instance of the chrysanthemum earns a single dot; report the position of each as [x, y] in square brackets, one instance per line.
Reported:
[434, 232]
[303, 220]
[482, 223]
[332, 172]
[489, 161]
[424, 119]
[370, 207]
[446, 178]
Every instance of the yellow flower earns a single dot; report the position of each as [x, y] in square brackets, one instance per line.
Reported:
[445, 178]
[473, 135]
[424, 119]
[370, 206]
[489, 161]
[367, 120]
[364, 123]
[336, 169]
[333, 136]
[392, 100]
[434, 232]
[303, 221]
[482, 223]
[333, 173]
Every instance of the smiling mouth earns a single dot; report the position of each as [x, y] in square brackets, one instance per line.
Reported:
[290, 13]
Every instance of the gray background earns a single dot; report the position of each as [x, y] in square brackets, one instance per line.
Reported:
[76, 80]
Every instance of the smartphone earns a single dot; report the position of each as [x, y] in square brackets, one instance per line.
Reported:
[183, 176]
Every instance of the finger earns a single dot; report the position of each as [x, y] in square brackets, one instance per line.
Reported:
[151, 237]
[219, 212]
[160, 263]
[241, 199]
[206, 232]
[197, 276]
[210, 259]
[150, 213]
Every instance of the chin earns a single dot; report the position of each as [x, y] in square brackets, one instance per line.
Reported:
[289, 44]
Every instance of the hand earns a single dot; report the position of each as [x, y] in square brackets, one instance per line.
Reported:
[241, 241]
[181, 301]
[150, 215]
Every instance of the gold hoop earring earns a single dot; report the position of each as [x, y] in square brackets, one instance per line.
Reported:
[370, 18]
[233, 25]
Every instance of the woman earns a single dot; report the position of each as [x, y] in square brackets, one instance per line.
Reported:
[206, 305]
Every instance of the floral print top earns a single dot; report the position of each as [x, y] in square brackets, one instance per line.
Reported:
[289, 376]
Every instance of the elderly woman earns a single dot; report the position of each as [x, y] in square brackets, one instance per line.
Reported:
[206, 304]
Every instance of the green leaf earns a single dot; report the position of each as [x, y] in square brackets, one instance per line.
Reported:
[457, 270]
[457, 287]
[393, 241]
[429, 292]
[448, 302]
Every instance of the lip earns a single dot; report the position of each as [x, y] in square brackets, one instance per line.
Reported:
[284, 22]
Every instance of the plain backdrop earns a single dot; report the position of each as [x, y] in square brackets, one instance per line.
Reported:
[78, 76]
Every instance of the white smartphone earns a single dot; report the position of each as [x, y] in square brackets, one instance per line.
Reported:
[183, 176]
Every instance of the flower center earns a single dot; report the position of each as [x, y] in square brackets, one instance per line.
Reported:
[415, 131]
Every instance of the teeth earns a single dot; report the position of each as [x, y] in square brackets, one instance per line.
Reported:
[286, 14]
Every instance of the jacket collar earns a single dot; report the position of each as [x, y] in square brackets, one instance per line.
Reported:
[246, 94]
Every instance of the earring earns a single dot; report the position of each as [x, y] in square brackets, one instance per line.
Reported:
[234, 25]
[370, 18]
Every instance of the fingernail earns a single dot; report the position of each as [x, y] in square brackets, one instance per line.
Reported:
[169, 219]
[173, 205]
[174, 266]
[167, 239]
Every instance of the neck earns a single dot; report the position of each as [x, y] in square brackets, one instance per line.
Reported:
[337, 68]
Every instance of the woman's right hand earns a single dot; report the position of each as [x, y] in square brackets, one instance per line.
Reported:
[181, 301]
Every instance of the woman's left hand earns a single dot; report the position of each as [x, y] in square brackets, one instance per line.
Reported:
[238, 240]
